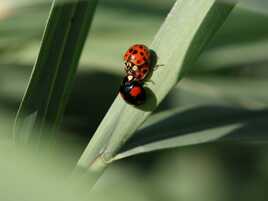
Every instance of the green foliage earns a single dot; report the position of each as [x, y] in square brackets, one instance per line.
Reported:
[185, 32]
[54, 71]
[219, 104]
[190, 126]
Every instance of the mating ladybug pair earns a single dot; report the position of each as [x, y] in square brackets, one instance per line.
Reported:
[138, 65]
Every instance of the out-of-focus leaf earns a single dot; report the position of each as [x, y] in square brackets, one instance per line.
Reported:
[54, 71]
[25, 177]
[232, 90]
[259, 6]
[228, 56]
[222, 52]
[190, 126]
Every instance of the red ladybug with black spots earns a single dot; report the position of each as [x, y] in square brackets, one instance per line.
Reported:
[138, 62]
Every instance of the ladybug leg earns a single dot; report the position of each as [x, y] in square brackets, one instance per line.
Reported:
[156, 67]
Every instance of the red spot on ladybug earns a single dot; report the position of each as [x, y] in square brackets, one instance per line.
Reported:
[135, 91]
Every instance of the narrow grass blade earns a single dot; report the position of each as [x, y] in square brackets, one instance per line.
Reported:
[234, 55]
[55, 68]
[187, 29]
[234, 90]
[258, 6]
[188, 126]
[198, 137]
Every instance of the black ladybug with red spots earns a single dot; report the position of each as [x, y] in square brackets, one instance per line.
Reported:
[132, 91]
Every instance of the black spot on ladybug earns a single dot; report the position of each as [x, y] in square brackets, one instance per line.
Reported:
[141, 46]
[138, 61]
[130, 50]
[141, 53]
[135, 52]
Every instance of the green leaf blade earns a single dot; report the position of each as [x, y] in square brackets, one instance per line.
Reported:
[197, 125]
[55, 68]
[188, 27]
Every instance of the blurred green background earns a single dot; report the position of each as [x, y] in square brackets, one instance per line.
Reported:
[231, 72]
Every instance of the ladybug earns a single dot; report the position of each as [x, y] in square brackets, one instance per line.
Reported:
[138, 61]
[132, 91]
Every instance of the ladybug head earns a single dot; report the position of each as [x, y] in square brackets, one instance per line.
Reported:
[131, 68]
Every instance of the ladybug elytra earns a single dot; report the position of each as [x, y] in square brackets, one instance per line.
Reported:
[138, 61]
